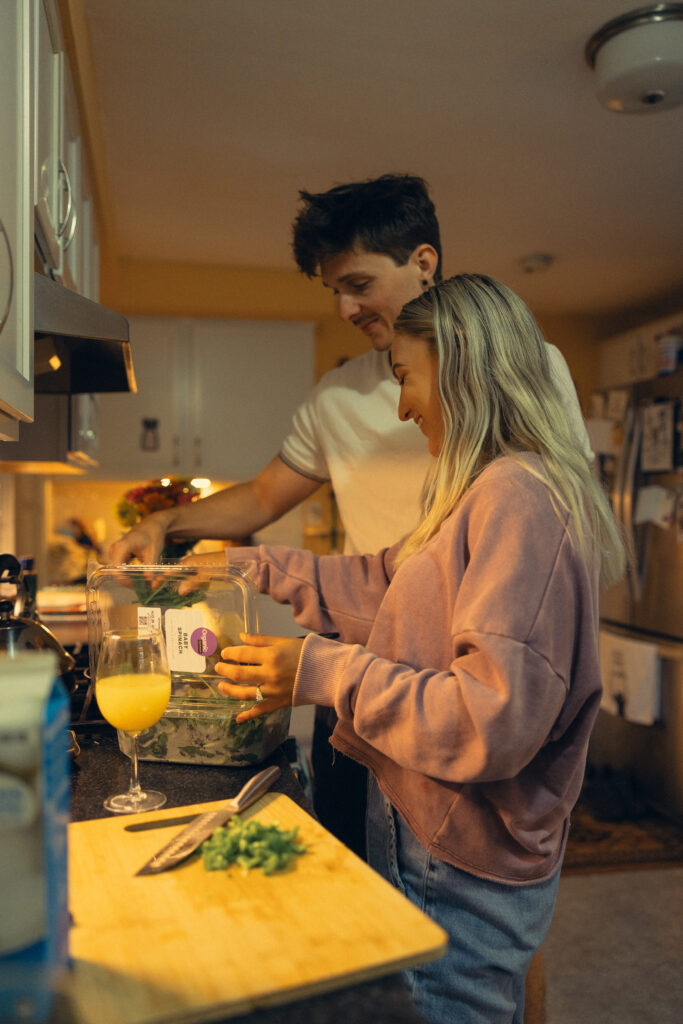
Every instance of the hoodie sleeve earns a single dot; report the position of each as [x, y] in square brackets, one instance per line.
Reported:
[327, 593]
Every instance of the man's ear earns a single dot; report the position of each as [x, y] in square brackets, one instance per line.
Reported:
[427, 259]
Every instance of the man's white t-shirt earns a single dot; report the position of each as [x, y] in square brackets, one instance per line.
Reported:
[348, 432]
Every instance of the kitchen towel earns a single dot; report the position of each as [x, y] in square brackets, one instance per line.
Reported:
[630, 678]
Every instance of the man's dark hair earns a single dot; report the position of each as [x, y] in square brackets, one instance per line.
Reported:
[391, 215]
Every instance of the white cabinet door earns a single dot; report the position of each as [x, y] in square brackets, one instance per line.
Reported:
[249, 377]
[50, 179]
[16, 216]
[142, 435]
[72, 194]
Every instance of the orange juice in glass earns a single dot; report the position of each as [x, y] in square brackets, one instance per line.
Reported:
[132, 688]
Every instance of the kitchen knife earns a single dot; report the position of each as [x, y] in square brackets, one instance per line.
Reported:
[187, 840]
[146, 826]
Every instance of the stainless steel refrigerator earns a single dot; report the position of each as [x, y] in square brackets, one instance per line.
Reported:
[645, 482]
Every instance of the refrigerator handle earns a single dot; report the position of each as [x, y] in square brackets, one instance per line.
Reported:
[628, 499]
[629, 473]
[619, 479]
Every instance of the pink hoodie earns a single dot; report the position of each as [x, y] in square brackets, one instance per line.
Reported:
[468, 681]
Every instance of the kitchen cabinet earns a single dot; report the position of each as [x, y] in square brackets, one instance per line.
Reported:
[63, 204]
[16, 217]
[215, 398]
[139, 434]
[51, 182]
[46, 208]
[635, 355]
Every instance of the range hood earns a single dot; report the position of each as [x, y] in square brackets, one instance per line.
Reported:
[80, 347]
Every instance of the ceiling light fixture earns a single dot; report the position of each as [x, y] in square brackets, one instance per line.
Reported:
[638, 60]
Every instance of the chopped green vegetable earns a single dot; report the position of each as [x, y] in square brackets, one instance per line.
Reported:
[251, 845]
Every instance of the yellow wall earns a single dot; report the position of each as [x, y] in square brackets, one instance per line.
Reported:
[335, 342]
[576, 338]
[192, 290]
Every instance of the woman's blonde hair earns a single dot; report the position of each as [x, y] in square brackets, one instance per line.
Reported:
[498, 398]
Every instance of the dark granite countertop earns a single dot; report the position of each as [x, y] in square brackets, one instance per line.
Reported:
[101, 769]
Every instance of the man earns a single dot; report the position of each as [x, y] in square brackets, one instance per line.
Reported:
[376, 244]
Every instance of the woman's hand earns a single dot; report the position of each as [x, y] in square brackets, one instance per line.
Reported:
[209, 560]
[271, 662]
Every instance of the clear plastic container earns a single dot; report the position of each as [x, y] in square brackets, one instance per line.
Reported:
[199, 724]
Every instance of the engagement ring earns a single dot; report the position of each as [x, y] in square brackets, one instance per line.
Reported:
[259, 695]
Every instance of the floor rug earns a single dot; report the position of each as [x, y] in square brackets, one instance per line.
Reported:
[650, 839]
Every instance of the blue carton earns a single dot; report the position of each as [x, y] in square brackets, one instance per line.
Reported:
[34, 814]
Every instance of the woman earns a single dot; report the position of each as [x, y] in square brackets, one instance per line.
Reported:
[468, 680]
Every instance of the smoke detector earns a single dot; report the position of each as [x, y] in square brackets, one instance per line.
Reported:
[536, 261]
[638, 60]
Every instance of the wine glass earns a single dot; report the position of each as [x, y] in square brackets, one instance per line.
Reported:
[133, 687]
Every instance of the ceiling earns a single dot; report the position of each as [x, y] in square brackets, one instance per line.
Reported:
[214, 113]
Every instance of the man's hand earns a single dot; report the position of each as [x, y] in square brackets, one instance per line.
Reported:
[271, 662]
[146, 540]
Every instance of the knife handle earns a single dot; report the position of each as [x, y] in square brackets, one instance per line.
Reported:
[253, 789]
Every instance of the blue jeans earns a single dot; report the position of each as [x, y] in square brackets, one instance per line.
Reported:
[494, 930]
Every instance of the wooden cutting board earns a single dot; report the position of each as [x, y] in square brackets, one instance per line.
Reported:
[192, 945]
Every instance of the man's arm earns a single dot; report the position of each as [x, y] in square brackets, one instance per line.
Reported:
[234, 512]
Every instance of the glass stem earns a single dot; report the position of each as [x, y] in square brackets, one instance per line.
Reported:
[134, 788]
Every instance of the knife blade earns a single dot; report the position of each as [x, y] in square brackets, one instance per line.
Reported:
[194, 834]
[145, 826]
